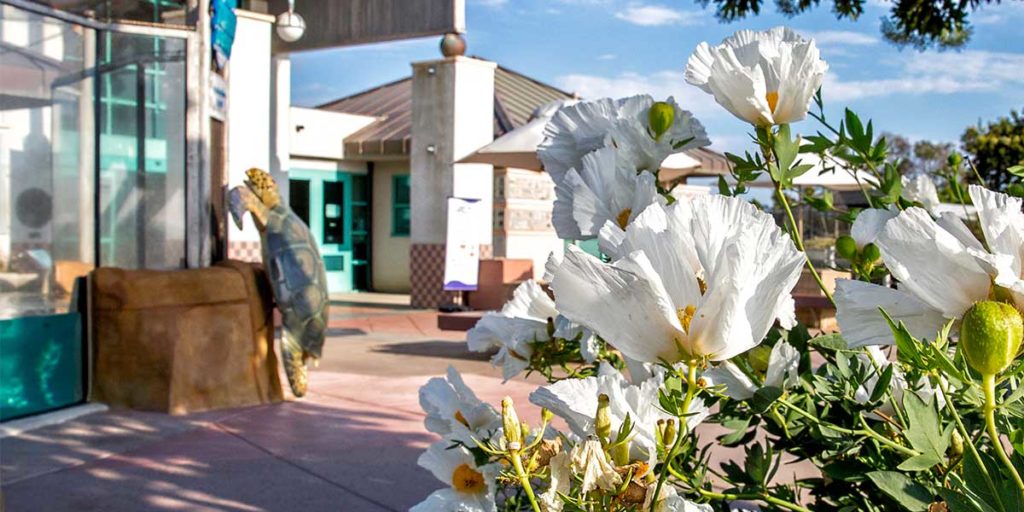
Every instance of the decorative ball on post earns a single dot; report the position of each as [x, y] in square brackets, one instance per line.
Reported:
[453, 45]
[290, 26]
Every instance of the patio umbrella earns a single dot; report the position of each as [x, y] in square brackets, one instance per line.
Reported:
[518, 148]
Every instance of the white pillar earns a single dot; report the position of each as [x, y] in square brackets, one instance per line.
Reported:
[280, 120]
[452, 116]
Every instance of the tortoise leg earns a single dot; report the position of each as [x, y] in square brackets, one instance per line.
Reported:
[294, 362]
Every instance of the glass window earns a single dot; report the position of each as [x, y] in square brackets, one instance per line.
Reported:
[170, 12]
[142, 151]
[401, 212]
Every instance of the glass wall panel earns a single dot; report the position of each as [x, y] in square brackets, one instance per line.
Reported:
[47, 239]
[142, 151]
[46, 161]
[171, 12]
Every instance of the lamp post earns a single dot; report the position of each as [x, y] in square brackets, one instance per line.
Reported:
[290, 26]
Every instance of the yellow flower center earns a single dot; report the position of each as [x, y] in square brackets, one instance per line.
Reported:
[460, 418]
[686, 316]
[623, 218]
[467, 479]
[703, 286]
[773, 100]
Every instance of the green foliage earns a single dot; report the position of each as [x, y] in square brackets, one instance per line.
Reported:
[995, 148]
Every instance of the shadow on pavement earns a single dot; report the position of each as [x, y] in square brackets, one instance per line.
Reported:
[435, 348]
[330, 455]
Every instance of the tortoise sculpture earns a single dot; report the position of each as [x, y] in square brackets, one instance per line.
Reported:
[296, 272]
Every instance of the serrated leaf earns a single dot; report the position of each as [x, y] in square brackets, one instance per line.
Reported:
[764, 398]
[909, 494]
[924, 432]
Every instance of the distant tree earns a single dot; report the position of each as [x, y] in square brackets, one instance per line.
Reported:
[923, 156]
[920, 24]
[996, 147]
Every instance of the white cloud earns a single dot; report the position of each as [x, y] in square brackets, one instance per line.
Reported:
[840, 38]
[937, 73]
[606, 56]
[491, 3]
[660, 85]
[656, 15]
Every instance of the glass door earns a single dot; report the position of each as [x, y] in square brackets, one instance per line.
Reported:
[335, 206]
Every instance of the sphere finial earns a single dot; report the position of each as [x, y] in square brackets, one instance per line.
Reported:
[453, 45]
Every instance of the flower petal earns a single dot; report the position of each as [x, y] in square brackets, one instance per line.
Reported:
[869, 224]
[737, 385]
[861, 322]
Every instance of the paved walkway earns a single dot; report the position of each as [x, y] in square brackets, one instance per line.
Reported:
[350, 445]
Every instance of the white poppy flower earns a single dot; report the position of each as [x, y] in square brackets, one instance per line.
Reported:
[560, 482]
[921, 189]
[941, 267]
[521, 322]
[602, 189]
[470, 488]
[869, 224]
[670, 501]
[454, 411]
[575, 401]
[590, 461]
[782, 373]
[699, 279]
[763, 78]
[580, 129]
[568, 330]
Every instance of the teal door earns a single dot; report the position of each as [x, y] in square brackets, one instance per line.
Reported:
[336, 208]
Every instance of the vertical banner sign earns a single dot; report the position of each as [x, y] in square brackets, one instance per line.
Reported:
[222, 33]
[462, 253]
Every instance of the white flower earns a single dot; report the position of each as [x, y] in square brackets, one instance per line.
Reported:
[561, 480]
[568, 330]
[590, 461]
[670, 501]
[941, 267]
[603, 189]
[782, 373]
[701, 278]
[523, 321]
[575, 401]
[921, 189]
[579, 129]
[869, 224]
[470, 488]
[454, 411]
[763, 78]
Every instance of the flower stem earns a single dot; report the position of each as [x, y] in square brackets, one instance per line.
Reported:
[691, 389]
[989, 384]
[764, 496]
[967, 440]
[794, 232]
[866, 431]
[517, 463]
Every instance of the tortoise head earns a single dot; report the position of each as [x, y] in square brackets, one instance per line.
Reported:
[263, 186]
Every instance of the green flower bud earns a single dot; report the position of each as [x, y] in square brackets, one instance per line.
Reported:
[603, 420]
[955, 160]
[990, 336]
[870, 253]
[758, 357]
[510, 423]
[546, 416]
[956, 446]
[846, 247]
[620, 453]
[670, 433]
[660, 118]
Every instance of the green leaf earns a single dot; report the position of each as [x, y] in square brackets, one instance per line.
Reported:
[1017, 440]
[909, 494]
[739, 431]
[883, 383]
[959, 502]
[831, 342]
[723, 186]
[907, 346]
[924, 433]
[764, 398]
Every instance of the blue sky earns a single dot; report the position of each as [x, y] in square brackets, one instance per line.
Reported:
[621, 47]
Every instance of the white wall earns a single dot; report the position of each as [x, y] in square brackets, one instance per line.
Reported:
[390, 254]
[249, 103]
[321, 134]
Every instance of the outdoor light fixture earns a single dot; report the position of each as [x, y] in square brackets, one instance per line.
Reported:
[290, 26]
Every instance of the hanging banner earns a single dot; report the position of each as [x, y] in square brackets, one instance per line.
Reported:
[222, 34]
[462, 250]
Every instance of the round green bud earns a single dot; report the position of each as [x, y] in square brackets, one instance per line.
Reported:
[955, 160]
[660, 118]
[990, 336]
[846, 247]
[759, 356]
[870, 253]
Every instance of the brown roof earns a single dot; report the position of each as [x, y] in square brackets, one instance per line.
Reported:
[516, 96]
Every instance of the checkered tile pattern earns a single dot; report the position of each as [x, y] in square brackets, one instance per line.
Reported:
[245, 251]
[426, 274]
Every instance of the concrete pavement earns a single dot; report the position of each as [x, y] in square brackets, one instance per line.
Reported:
[350, 445]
